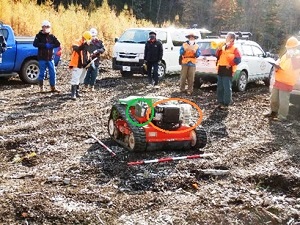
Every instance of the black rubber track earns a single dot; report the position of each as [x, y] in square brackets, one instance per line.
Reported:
[138, 132]
[201, 138]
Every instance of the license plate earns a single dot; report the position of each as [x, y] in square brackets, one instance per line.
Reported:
[206, 66]
[126, 68]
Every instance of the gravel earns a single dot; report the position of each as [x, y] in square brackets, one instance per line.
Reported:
[53, 172]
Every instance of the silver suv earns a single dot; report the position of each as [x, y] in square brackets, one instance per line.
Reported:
[254, 66]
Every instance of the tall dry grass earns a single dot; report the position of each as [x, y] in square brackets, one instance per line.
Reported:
[25, 17]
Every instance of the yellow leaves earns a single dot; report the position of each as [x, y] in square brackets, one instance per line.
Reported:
[18, 159]
[68, 24]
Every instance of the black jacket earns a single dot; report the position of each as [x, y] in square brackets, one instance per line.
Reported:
[40, 42]
[95, 49]
[153, 51]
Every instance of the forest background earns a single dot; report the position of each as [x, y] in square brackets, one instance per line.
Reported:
[270, 21]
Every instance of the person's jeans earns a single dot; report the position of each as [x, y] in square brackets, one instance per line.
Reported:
[43, 65]
[91, 75]
[154, 75]
[224, 90]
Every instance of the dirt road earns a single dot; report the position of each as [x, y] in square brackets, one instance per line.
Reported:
[70, 179]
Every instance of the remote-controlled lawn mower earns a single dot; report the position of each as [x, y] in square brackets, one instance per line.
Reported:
[155, 123]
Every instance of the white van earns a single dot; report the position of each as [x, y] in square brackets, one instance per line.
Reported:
[128, 51]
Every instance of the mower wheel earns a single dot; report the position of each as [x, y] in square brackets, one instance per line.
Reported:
[131, 141]
[199, 138]
[136, 140]
[112, 129]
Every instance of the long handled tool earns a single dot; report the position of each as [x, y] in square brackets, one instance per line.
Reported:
[167, 159]
[84, 71]
[101, 143]
[90, 63]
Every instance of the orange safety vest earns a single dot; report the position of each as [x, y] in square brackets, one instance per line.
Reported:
[75, 56]
[227, 57]
[189, 54]
[288, 73]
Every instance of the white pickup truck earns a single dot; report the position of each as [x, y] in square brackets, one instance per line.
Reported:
[128, 51]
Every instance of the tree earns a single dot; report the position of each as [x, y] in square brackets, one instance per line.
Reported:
[226, 15]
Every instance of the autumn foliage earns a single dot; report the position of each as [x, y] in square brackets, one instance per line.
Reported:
[26, 16]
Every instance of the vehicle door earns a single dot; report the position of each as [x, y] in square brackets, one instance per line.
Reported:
[248, 59]
[8, 57]
[162, 35]
[176, 39]
[262, 68]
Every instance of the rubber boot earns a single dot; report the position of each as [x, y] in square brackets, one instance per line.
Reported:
[41, 85]
[73, 92]
[271, 114]
[77, 91]
[53, 89]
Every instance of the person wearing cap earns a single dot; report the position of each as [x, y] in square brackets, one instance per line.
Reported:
[228, 57]
[46, 42]
[79, 60]
[153, 53]
[189, 52]
[95, 48]
[286, 70]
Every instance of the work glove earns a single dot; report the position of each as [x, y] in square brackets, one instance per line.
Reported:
[48, 45]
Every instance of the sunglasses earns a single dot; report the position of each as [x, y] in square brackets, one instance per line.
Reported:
[46, 26]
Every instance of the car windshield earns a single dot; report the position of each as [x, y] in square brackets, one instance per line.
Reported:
[134, 36]
[206, 49]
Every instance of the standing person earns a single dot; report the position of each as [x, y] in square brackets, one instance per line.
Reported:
[152, 55]
[228, 57]
[189, 52]
[79, 60]
[46, 42]
[286, 70]
[95, 48]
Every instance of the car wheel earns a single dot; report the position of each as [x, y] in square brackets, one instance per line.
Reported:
[161, 70]
[30, 72]
[241, 82]
[126, 74]
[198, 82]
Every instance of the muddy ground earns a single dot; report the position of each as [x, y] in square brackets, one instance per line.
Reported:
[53, 172]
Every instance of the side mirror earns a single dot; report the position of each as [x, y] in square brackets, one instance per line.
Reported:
[116, 39]
[268, 54]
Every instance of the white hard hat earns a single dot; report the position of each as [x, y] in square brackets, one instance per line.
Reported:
[192, 34]
[93, 32]
[46, 23]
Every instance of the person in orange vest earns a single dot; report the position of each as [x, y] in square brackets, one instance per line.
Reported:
[228, 57]
[189, 52]
[286, 70]
[79, 60]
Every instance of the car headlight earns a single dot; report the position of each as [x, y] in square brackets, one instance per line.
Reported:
[141, 56]
[115, 54]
